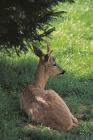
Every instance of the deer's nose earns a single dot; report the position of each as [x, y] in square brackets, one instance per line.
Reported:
[63, 72]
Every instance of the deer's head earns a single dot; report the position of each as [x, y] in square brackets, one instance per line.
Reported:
[48, 62]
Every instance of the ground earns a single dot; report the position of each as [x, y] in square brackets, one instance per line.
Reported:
[72, 45]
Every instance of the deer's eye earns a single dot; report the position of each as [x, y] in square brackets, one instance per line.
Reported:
[54, 65]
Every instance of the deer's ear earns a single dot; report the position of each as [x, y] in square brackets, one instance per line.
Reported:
[46, 57]
[37, 51]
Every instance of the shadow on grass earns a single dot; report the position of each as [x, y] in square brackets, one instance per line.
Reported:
[15, 75]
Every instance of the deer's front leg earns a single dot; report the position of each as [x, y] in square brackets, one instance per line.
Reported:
[74, 119]
[54, 97]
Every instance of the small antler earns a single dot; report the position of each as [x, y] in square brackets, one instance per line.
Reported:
[37, 51]
[49, 51]
[48, 47]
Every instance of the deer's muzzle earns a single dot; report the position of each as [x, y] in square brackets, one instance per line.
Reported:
[62, 72]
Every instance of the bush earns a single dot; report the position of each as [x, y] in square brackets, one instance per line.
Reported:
[21, 19]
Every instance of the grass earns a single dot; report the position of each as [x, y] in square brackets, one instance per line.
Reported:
[72, 43]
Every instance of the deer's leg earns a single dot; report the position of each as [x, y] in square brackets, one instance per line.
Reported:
[53, 96]
[74, 119]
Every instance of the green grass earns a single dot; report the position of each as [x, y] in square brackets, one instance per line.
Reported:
[72, 43]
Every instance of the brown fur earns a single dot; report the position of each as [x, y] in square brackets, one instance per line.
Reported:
[46, 106]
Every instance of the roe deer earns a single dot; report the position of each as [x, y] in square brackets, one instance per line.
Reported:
[46, 106]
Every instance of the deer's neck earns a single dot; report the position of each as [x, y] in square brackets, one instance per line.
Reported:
[41, 77]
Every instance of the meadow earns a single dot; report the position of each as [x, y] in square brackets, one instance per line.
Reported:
[72, 45]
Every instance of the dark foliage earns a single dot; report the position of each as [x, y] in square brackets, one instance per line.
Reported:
[21, 19]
